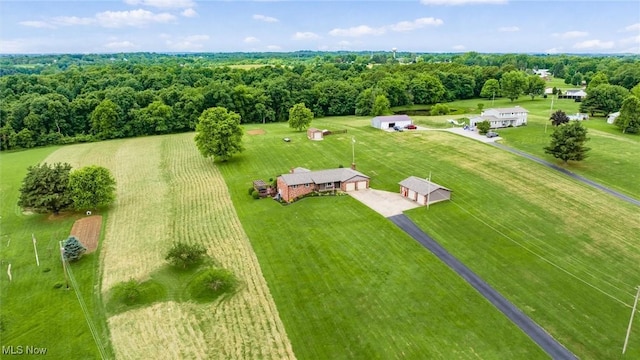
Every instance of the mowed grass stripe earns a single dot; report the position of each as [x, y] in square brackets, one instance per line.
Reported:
[168, 192]
[205, 214]
[348, 283]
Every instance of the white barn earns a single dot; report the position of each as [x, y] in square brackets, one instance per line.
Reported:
[423, 191]
[502, 117]
[389, 121]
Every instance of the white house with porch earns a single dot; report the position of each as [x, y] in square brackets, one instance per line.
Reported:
[502, 117]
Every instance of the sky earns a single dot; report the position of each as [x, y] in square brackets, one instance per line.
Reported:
[422, 26]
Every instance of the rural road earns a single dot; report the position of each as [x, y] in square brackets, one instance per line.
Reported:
[553, 348]
[570, 174]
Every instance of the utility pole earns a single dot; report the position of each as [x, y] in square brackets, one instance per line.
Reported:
[550, 112]
[353, 151]
[35, 249]
[626, 339]
[428, 189]
[64, 264]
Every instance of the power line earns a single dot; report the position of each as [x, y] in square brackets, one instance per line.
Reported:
[92, 328]
[542, 257]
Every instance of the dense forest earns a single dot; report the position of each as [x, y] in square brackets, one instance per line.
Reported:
[59, 99]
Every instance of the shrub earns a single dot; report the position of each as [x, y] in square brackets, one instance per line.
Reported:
[73, 249]
[211, 283]
[127, 292]
[483, 127]
[185, 255]
[439, 109]
[255, 194]
[251, 190]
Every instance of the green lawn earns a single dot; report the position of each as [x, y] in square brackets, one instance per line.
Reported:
[33, 312]
[350, 284]
[611, 160]
[568, 263]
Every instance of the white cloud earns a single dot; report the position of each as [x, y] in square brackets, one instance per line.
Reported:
[631, 40]
[264, 18]
[357, 31]
[273, 47]
[188, 43]
[633, 27]
[571, 34]
[189, 13]
[12, 47]
[554, 50]
[72, 20]
[120, 45]
[632, 50]
[458, 47]
[461, 2]
[251, 39]
[509, 29]
[37, 24]
[415, 24]
[138, 18]
[594, 44]
[305, 36]
[344, 43]
[164, 4]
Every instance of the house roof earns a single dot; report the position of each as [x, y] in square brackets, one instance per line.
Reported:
[392, 118]
[421, 186]
[321, 176]
[509, 109]
[575, 92]
[314, 130]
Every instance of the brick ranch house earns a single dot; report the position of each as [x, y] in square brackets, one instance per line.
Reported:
[301, 181]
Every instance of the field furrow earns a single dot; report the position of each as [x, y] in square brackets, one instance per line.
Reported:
[167, 192]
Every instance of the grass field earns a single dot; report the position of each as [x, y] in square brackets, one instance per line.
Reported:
[167, 192]
[559, 250]
[33, 312]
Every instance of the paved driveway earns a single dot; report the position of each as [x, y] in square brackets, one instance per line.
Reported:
[384, 202]
[473, 135]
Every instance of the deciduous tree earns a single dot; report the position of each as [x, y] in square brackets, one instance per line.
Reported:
[381, 105]
[92, 187]
[300, 117]
[46, 188]
[513, 84]
[218, 133]
[567, 142]
[490, 89]
[185, 255]
[629, 119]
[535, 86]
[483, 127]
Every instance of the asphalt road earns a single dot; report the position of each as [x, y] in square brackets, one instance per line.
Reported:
[594, 184]
[553, 348]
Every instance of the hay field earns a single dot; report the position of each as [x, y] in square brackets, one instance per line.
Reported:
[166, 192]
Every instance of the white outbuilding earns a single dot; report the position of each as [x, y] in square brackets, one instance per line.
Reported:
[389, 121]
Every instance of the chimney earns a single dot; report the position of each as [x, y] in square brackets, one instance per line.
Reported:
[353, 166]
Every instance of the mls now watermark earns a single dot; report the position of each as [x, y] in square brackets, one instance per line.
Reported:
[23, 350]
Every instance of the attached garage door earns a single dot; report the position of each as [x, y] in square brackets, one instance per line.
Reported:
[362, 185]
[350, 186]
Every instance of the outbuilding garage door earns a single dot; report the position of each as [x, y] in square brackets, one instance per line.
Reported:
[362, 185]
[350, 186]
[412, 195]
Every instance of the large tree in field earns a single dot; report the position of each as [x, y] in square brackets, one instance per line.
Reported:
[92, 187]
[558, 118]
[300, 117]
[218, 133]
[604, 98]
[45, 188]
[535, 86]
[567, 142]
[490, 89]
[629, 119]
[513, 84]
[381, 105]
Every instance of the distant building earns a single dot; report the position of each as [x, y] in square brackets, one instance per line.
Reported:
[423, 191]
[502, 117]
[612, 117]
[388, 122]
[576, 94]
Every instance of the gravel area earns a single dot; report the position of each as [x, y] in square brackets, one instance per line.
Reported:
[384, 202]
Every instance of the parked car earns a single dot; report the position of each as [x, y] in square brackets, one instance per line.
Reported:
[492, 134]
[410, 127]
[397, 128]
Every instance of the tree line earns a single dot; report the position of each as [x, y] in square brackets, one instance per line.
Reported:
[117, 99]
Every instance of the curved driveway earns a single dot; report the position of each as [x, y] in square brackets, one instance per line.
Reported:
[553, 348]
